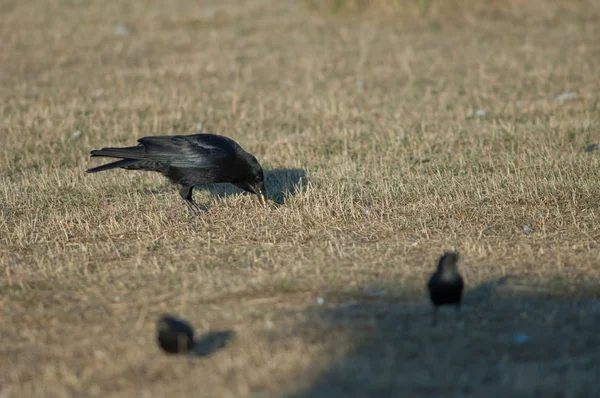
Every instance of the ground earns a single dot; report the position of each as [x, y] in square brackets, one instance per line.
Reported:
[390, 132]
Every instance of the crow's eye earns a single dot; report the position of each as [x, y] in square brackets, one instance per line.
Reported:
[257, 178]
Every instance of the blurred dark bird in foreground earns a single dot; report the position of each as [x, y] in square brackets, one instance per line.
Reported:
[446, 285]
[174, 335]
[190, 160]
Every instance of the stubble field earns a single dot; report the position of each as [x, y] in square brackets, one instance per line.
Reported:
[389, 133]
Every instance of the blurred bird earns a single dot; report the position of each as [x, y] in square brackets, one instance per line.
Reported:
[190, 160]
[174, 335]
[446, 285]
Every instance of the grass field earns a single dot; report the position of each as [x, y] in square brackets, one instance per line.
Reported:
[390, 133]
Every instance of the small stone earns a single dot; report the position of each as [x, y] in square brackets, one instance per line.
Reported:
[320, 300]
[527, 229]
[210, 12]
[565, 97]
[480, 113]
[122, 30]
[76, 135]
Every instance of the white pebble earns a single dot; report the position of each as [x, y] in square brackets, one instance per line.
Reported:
[565, 97]
[122, 30]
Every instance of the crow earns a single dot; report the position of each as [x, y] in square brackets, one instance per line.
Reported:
[174, 335]
[446, 285]
[190, 160]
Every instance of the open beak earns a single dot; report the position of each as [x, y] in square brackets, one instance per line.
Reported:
[261, 197]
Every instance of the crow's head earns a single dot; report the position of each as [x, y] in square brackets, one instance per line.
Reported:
[447, 262]
[251, 178]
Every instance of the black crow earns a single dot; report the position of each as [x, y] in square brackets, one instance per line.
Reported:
[446, 285]
[174, 335]
[190, 160]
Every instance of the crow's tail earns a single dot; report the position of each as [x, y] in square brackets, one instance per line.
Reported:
[130, 155]
[114, 165]
[132, 152]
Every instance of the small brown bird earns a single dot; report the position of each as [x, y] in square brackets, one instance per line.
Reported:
[190, 160]
[174, 335]
[446, 285]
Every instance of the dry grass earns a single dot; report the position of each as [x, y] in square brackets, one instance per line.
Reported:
[376, 165]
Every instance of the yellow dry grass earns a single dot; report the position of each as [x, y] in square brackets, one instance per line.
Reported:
[377, 161]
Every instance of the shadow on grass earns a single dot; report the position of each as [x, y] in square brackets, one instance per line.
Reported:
[211, 342]
[509, 340]
[279, 183]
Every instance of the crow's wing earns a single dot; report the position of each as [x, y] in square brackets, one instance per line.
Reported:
[198, 150]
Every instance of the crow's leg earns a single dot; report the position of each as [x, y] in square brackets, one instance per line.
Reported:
[192, 209]
[186, 194]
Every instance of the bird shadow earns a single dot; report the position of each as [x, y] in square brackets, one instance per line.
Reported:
[486, 291]
[211, 342]
[387, 347]
[279, 183]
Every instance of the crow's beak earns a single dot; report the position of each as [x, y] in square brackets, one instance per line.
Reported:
[261, 197]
